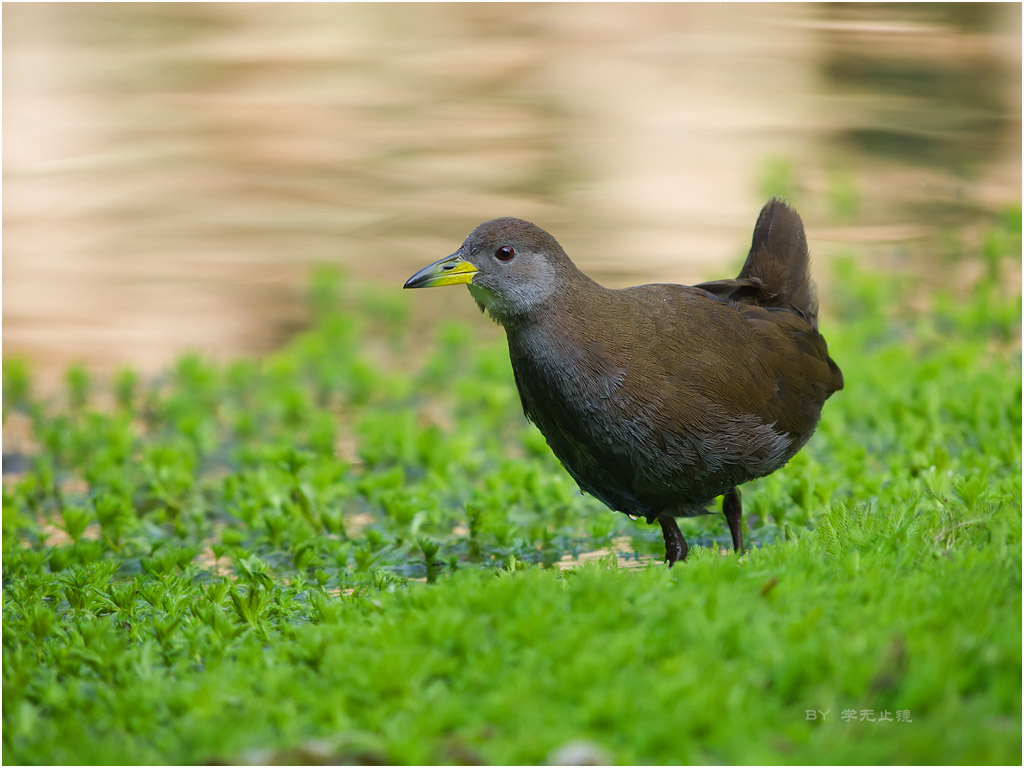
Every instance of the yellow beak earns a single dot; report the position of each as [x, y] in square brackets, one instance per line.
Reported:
[451, 270]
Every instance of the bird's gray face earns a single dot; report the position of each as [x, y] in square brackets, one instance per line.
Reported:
[506, 263]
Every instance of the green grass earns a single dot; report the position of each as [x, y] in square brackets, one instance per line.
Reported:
[336, 554]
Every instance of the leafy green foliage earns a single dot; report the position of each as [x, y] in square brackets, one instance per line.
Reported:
[338, 555]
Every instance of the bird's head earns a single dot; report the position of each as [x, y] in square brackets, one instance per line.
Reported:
[512, 267]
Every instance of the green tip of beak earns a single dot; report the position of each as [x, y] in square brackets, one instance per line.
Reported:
[451, 270]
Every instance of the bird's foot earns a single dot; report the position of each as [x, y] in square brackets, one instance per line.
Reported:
[676, 548]
[733, 510]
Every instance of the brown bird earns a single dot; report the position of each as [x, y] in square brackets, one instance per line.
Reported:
[657, 398]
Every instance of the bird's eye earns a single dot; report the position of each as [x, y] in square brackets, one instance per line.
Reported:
[505, 253]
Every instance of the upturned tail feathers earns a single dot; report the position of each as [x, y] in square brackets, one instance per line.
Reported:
[779, 259]
[777, 270]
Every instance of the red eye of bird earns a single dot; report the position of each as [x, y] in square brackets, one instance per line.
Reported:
[505, 253]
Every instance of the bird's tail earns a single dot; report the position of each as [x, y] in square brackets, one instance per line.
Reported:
[779, 260]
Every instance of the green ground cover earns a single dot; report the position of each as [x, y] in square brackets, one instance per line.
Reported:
[335, 555]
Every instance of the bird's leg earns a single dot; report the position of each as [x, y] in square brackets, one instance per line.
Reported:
[675, 545]
[733, 510]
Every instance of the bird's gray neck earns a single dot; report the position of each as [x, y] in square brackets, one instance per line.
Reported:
[556, 336]
[566, 300]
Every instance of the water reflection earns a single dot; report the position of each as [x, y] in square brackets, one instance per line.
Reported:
[171, 170]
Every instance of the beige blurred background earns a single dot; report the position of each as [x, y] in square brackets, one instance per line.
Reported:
[172, 171]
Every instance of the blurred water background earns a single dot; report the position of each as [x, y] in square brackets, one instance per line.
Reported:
[173, 171]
